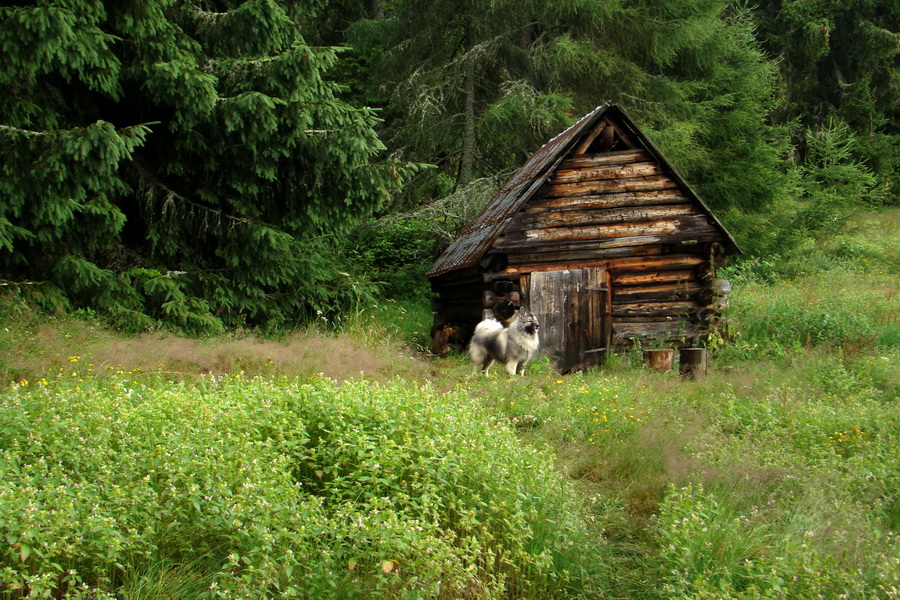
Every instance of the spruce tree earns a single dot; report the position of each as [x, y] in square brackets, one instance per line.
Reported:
[475, 87]
[839, 61]
[692, 73]
[459, 83]
[181, 160]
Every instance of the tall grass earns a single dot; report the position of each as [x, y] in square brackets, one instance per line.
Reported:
[843, 292]
[767, 480]
[793, 496]
[777, 475]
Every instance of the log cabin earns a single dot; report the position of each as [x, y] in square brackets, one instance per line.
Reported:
[600, 237]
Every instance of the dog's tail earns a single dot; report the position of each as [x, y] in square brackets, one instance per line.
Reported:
[487, 327]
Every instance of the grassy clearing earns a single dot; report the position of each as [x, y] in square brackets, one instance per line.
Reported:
[736, 486]
[777, 476]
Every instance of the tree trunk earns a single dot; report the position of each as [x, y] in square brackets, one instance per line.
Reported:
[467, 161]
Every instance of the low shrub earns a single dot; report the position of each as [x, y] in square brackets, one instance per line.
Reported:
[274, 488]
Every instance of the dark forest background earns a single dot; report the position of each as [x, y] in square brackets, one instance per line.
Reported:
[206, 165]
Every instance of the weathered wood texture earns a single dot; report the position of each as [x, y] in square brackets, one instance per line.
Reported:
[574, 311]
[601, 201]
[604, 219]
[629, 263]
[620, 212]
[526, 221]
[692, 363]
[625, 332]
[578, 161]
[624, 226]
[610, 186]
[604, 173]
[660, 359]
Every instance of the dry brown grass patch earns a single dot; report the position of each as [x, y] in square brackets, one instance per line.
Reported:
[49, 346]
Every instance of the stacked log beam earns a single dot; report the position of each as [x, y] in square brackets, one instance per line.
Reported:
[620, 211]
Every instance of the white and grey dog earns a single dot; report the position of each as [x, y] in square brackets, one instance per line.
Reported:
[513, 346]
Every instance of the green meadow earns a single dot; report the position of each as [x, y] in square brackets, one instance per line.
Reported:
[252, 468]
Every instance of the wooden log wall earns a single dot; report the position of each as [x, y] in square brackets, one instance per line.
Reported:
[622, 212]
[462, 298]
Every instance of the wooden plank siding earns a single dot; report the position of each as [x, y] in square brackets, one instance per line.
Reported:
[610, 186]
[605, 173]
[686, 224]
[619, 212]
[612, 200]
[547, 219]
[577, 161]
[574, 312]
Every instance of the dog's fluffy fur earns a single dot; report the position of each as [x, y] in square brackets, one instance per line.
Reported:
[513, 346]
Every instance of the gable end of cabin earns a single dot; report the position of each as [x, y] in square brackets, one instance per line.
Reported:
[635, 247]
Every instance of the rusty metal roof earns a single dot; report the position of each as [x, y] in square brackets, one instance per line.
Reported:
[476, 238]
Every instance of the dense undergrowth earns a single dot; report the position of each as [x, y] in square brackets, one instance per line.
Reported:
[776, 476]
[273, 488]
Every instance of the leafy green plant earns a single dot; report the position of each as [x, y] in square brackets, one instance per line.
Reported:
[708, 550]
[299, 489]
[400, 251]
[705, 546]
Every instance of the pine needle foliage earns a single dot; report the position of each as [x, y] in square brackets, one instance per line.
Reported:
[476, 87]
[181, 161]
[839, 61]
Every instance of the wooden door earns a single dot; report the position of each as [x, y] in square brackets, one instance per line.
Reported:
[573, 308]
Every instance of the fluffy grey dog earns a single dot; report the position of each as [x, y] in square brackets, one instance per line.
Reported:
[513, 346]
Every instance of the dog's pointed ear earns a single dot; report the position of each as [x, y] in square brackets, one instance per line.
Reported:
[522, 311]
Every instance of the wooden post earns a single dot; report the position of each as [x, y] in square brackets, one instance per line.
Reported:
[692, 363]
[660, 359]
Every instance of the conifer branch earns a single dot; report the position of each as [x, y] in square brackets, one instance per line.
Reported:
[208, 15]
[450, 213]
[34, 133]
[10, 128]
[149, 186]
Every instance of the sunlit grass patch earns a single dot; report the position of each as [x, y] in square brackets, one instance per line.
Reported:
[792, 462]
[844, 293]
[579, 408]
[795, 487]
